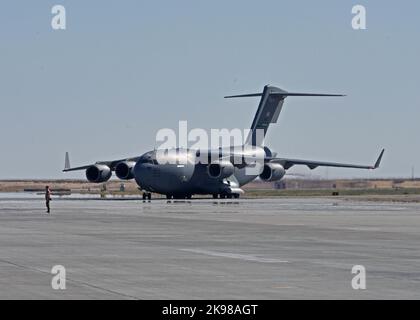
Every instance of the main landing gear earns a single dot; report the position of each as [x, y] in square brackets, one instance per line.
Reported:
[178, 196]
[147, 196]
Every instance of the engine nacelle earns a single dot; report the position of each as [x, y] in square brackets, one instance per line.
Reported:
[125, 170]
[220, 169]
[98, 173]
[272, 172]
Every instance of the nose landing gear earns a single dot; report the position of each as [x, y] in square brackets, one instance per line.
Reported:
[147, 196]
[226, 195]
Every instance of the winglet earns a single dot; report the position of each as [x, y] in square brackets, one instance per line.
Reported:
[67, 162]
[378, 162]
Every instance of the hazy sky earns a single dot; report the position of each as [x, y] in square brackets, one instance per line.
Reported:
[124, 69]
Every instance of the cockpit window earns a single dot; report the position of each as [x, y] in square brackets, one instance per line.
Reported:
[148, 160]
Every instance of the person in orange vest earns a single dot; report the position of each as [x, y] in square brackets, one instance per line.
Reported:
[47, 198]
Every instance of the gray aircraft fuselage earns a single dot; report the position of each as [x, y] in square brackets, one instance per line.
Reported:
[180, 177]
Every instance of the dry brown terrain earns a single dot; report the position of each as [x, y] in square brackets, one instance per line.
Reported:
[75, 186]
[287, 186]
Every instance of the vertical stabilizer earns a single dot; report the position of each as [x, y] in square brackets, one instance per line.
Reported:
[269, 109]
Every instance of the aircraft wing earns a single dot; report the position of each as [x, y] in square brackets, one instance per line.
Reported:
[111, 164]
[288, 163]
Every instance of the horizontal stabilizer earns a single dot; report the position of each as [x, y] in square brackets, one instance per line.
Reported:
[287, 94]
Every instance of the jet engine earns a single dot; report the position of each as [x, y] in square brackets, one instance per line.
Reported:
[220, 169]
[98, 173]
[125, 170]
[272, 172]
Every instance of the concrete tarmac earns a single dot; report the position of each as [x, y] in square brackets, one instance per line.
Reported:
[284, 248]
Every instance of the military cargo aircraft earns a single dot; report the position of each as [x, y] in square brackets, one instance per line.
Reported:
[180, 173]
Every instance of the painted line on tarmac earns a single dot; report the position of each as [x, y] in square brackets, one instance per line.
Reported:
[230, 255]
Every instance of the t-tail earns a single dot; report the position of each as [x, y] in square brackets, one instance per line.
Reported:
[269, 109]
